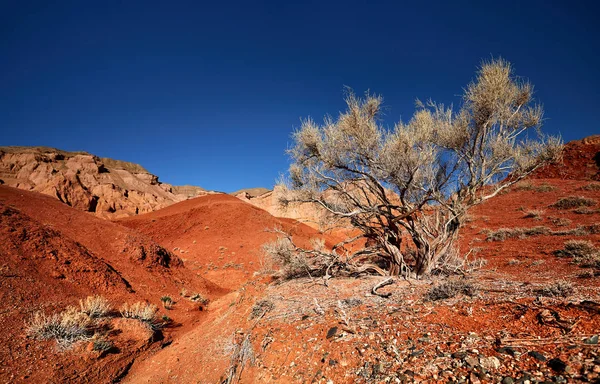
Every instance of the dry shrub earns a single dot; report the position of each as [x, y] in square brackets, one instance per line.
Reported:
[583, 252]
[167, 302]
[66, 327]
[507, 233]
[591, 187]
[283, 253]
[144, 312]
[535, 214]
[102, 345]
[95, 306]
[560, 221]
[560, 288]
[586, 211]
[199, 298]
[261, 308]
[573, 202]
[450, 289]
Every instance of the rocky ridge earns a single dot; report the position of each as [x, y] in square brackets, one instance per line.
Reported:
[109, 188]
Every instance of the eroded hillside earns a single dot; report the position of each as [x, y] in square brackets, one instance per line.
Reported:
[109, 188]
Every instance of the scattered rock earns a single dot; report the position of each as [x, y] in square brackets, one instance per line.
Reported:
[332, 331]
[536, 355]
[557, 364]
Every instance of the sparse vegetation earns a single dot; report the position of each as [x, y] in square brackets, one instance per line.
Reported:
[450, 289]
[95, 306]
[102, 345]
[261, 308]
[199, 298]
[522, 233]
[591, 187]
[583, 252]
[529, 186]
[289, 258]
[573, 202]
[241, 353]
[535, 214]
[560, 288]
[167, 302]
[586, 211]
[144, 312]
[66, 327]
[508, 233]
[560, 221]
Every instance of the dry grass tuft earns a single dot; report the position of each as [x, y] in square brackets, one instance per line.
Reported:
[591, 187]
[507, 233]
[144, 312]
[560, 288]
[199, 298]
[261, 308]
[535, 214]
[583, 252]
[561, 221]
[450, 289]
[66, 327]
[573, 202]
[95, 306]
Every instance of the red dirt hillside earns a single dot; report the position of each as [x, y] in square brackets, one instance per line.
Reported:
[52, 256]
[581, 161]
[218, 235]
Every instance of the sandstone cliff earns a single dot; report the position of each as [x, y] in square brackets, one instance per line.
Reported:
[109, 188]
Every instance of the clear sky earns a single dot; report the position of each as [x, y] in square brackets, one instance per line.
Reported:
[208, 93]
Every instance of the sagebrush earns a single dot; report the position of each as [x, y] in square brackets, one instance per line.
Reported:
[407, 190]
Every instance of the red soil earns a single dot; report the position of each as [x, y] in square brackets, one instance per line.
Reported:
[219, 236]
[581, 161]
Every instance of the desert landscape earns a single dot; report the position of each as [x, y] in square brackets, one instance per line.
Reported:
[302, 192]
[528, 312]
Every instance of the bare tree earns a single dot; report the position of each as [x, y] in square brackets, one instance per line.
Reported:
[407, 189]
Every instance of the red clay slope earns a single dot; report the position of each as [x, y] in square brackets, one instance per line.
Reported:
[218, 235]
[52, 256]
[581, 161]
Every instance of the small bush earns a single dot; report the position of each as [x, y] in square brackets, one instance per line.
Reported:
[591, 187]
[560, 221]
[102, 345]
[573, 202]
[144, 312]
[578, 231]
[282, 252]
[450, 289]
[197, 297]
[261, 308]
[561, 288]
[586, 211]
[167, 302]
[66, 327]
[95, 306]
[534, 214]
[582, 252]
[506, 233]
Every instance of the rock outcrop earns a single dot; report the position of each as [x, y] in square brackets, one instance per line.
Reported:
[109, 188]
[308, 214]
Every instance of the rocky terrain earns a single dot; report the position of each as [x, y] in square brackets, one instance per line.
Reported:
[527, 312]
[109, 188]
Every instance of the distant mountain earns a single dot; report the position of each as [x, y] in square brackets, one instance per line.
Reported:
[107, 187]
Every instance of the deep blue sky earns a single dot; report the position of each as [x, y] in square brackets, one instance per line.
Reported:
[207, 93]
